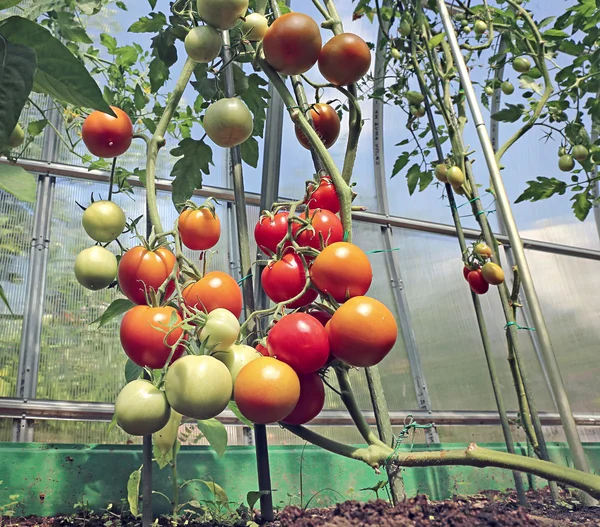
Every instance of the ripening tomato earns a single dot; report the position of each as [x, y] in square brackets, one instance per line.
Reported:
[144, 331]
[270, 230]
[342, 270]
[311, 402]
[483, 250]
[323, 196]
[362, 332]
[141, 270]
[326, 123]
[477, 282]
[214, 290]
[200, 228]
[292, 44]
[324, 226]
[345, 59]
[105, 135]
[266, 390]
[284, 279]
[300, 341]
[141, 408]
[492, 273]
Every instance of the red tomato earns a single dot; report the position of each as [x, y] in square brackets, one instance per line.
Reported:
[466, 272]
[143, 332]
[141, 270]
[323, 196]
[200, 228]
[345, 59]
[322, 316]
[324, 224]
[262, 349]
[477, 282]
[105, 135]
[362, 332]
[270, 230]
[284, 279]
[292, 44]
[326, 123]
[311, 402]
[215, 289]
[342, 270]
[300, 341]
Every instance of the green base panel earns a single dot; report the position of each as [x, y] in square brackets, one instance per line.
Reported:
[47, 479]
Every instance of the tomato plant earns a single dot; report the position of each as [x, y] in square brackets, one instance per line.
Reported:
[103, 221]
[362, 332]
[142, 270]
[292, 44]
[266, 390]
[323, 196]
[477, 282]
[300, 341]
[214, 290]
[284, 279]
[342, 270]
[344, 59]
[270, 230]
[148, 333]
[311, 401]
[228, 122]
[105, 135]
[324, 228]
[200, 228]
[95, 267]
[326, 123]
[141, 408]
[198, 386]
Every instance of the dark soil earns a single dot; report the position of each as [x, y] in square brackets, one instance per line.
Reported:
[494, 509]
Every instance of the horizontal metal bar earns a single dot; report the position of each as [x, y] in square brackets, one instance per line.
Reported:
[83, 411]
[75, 172]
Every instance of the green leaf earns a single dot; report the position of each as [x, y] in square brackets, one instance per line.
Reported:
[121, 5]
[249, 149]
[70, 29]
[18, 182]
[133, 490]
[112, 424]
[132, 371]
[149, 25]
[554, 33]
[527, 83]
[116, 308]
[17, 68]
[234, 408]
[253, 496]
[510, 114]
[4, 299]
[109, 42]
[542, 188]
[426, 179]
[218, 491]
[582, 204]
[152, 3]
[283, 7]
[187, 171]
[36, 127]
[400, 163]
[161, 459]
[435, 40]
[215, 433]
[414, 176]
[139, 98]
[257, 100]
[7, 4]
[158, 74]
[59, 73]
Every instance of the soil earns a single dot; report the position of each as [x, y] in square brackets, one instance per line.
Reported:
[492, 508]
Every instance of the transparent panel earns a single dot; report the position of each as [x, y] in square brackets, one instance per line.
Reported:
[6, 428]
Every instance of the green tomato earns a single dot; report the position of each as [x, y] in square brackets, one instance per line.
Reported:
[405, 27]
[489, 91]
[141, 408]
[16, 137]
[480, 27]
[203, 44]
[521, 64]
[441, 172]
[395, 53]
[455, 176]
[254, 27]
[103, 221]
[221, 330]
[198, 386]
[165, 438]
[414, 97]
[507, 88]
[580, 152]
[562, 151]
[566, 163]
[222, 14]
[236, 357]
[95, 268]
[417, 110]
[228, 122]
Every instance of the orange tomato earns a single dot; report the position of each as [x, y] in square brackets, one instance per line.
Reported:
[105, 135]
[215, 289]
[199, 228]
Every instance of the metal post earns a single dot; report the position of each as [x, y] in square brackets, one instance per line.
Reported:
[262, 453]
[556, 380]
[596, 189]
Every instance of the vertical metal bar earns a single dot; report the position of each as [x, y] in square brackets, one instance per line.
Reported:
[241, 214]
[564, 407]
[596, 188]
[410, 341]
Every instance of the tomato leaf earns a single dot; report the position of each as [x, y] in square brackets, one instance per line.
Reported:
[162, 459]
[5, 300]
[414, 176]
[36, 127]
[234, 408]
[7, 4]
[253, 496]
[17, 67]
[527, 83]
[158, 73]
[187, 171]
[510, 114]
[133, 490]
[116, 308]
[149, 25]
[582, 203]
[18, 182]
[435, 40]
[112, 424]
[220, 494]
[542, 188]
[59, 73]
[215, 433]
[132, 371]
[400, 163]
[249, 149]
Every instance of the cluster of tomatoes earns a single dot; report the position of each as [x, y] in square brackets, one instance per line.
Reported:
[479, 272]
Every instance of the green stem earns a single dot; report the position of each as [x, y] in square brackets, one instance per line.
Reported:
[43, 113]
[175, 484]
[157, 141]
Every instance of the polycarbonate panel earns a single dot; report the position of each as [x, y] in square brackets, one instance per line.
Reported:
[446, 328]
[16, 224]
[6, 429]
[568, 291]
